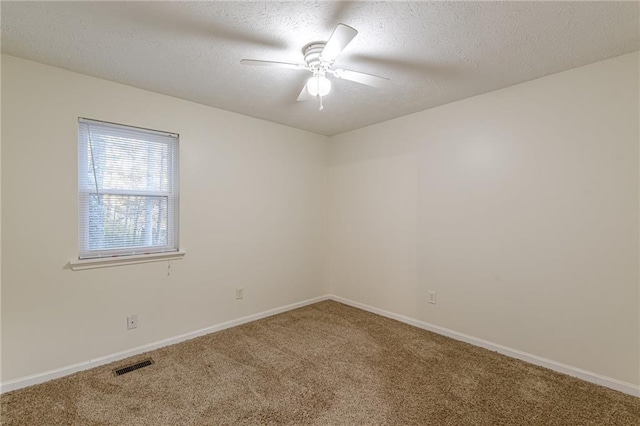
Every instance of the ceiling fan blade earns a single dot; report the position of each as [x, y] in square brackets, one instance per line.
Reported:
[272, 64]
[304, 95]
[341, 37]
[362, 78]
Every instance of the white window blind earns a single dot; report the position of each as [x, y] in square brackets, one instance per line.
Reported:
[128, 188]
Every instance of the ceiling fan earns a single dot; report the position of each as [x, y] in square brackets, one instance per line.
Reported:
[318, 59]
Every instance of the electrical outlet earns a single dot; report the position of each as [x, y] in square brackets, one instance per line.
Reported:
[132, 321]
[239, 293]
[432, 297]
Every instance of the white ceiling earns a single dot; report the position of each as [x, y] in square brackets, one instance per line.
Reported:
[433, 52]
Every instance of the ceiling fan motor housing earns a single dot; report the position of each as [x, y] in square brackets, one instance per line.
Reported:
[312, 56]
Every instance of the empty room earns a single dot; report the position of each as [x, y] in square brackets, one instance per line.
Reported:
[320, 213]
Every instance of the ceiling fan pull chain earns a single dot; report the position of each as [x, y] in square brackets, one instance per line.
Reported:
[321, 106]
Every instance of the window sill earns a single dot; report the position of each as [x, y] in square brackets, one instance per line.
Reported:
[105, 262]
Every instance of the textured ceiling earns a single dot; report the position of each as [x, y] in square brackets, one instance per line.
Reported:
[434, 52]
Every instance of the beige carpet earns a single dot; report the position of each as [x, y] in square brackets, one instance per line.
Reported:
[323, 364]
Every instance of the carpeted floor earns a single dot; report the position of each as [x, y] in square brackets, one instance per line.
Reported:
[325, 364]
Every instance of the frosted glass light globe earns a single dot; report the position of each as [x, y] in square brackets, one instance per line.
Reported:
[318, 85]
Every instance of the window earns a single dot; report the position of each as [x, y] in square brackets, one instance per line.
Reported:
[127, 190]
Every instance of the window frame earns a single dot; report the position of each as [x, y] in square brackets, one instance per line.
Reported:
[137, 254]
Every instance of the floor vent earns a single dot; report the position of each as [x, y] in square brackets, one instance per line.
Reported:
[130, 368]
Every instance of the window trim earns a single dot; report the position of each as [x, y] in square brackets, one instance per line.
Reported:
[132, 255]
[132, 259]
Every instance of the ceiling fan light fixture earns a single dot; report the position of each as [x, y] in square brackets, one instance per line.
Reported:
[318, 85]
[319, 58]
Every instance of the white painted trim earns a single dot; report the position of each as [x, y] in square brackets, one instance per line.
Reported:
[65, 371]
[588, 376]
[569, 370]
[104, 262]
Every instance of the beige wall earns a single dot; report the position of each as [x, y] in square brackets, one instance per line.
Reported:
[519, 207]
[1, 219]
[252, 214]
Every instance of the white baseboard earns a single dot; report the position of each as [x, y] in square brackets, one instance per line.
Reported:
[65, 371]
[588, 376]
[569, 370]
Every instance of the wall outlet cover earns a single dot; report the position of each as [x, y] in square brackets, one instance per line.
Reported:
[132, 321]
